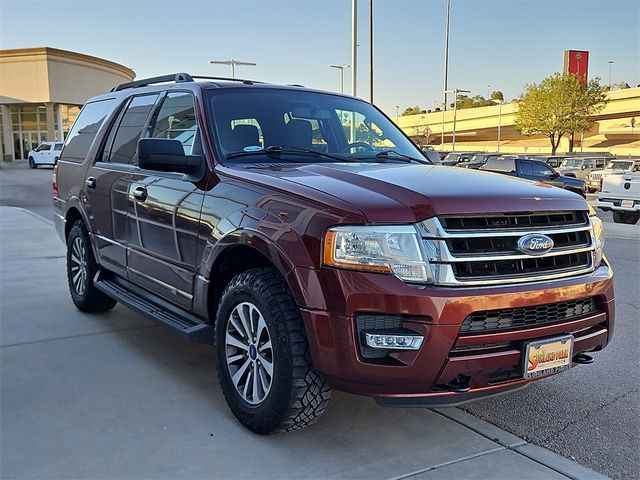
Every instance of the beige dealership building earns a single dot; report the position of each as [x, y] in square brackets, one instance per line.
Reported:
[42, 90]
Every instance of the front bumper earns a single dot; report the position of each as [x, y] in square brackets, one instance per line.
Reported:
[417, 377]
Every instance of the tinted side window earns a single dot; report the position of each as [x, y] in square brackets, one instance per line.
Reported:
[125, 142]
[58, 146]
[540, 170]
[524, 168]
[600, 163]
[84, 130]
[44, 147]
[177, 120]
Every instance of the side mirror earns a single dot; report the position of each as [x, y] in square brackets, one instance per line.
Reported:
[165, 155]
[554, 175]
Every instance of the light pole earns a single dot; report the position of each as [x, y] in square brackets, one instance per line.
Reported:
[233, 64]
[446, 53]
[488, 91]
[342, 68]
[499, 102]
[455, 92]
[371, 51]
[354, 62]
[442, 132]
[397, 113]
[610, 66]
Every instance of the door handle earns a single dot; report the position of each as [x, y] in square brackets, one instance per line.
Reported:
[140, 193]
[90, 182]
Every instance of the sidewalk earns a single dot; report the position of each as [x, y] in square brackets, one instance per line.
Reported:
[115, 396]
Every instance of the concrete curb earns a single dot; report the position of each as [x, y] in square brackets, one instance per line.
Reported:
[538, 454]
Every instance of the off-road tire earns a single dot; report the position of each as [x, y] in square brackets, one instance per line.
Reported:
[629, 218]
[299, 394]
[32, 163]
[91, 300]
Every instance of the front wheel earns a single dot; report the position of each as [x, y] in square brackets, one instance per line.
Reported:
[263, 358]
[32, 163]
[629, 218]
[81, 270]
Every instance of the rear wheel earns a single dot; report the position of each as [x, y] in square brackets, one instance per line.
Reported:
[263, 359]
[81, 269]
[32, 163]
[626, 217]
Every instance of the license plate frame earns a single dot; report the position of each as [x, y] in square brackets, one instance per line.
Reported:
[626, 203]
[559, 362]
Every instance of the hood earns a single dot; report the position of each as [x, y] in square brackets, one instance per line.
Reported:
[396, 193]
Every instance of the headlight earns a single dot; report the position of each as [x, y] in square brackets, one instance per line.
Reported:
[597, 229]
[384, 249]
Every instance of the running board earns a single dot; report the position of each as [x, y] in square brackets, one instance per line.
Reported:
[152, 306]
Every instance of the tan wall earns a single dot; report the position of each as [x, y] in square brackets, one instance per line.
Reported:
[44, 75]
[476, 128]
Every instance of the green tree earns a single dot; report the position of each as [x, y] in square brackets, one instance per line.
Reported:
[497, 95]
[471, 102]
[559, 105]
[412, 111]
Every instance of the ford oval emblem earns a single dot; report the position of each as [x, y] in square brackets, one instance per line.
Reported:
[535, 244]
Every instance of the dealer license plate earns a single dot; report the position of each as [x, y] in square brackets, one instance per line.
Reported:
[627, 203]
[549, 356]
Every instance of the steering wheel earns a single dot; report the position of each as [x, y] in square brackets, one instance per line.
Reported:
[361, 145]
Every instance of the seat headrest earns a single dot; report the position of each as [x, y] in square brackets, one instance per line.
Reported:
[299, 133]
[245, 136]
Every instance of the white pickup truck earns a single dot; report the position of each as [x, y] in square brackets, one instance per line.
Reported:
[621, 194]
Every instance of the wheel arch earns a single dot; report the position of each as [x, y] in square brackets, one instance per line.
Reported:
[238, 252]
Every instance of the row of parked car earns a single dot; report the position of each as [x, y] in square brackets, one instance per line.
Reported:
[581, 174]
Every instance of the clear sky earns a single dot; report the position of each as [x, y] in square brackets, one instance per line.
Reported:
[505, 43]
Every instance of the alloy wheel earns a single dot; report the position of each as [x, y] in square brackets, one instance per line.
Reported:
[79, 266]
[249, 353]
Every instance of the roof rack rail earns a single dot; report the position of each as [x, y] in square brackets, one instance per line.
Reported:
[175, 77]
[227, 79]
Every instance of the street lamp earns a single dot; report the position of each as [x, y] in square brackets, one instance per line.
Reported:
[446, 53]
[397, 113]
[342, 68]
[499, 102]
[610, 66]
[233, 64]
[455, 92]
[442, 131]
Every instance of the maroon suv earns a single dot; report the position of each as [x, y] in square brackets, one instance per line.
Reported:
[313, 244]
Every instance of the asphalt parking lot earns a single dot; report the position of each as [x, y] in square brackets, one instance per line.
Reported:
[114, 396]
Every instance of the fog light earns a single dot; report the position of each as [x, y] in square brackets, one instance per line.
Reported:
[393, 341]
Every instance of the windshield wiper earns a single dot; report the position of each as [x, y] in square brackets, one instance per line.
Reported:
[277, 150]
[383, 155]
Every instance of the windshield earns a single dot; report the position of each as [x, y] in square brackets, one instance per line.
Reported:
[452, 156]
[572, 162]
[251, 126]
[619, 165]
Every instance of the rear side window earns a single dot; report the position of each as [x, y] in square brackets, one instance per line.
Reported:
[58, 146]
[44, 147]
[122, 143]
[500, 165]
[600, 162]
[177, 120]
[84, 130]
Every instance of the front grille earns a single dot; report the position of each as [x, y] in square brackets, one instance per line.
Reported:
[514, 220]
[483, 249]
[513, 318]
[595, 176]
[515, 267]
[506, 245]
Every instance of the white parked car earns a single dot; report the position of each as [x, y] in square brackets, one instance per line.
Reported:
[614, 166]
[621, 195]
[47, 153]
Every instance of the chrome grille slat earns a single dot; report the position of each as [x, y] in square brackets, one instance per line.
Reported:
[468, 257]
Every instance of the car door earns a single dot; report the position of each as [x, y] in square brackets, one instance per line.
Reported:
[165, 257]
[42, 153]
[107, 184]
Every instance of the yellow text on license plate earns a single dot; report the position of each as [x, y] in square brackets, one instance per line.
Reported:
[547, 357]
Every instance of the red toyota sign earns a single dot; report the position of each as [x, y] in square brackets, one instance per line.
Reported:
[576, 62]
